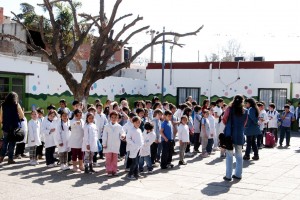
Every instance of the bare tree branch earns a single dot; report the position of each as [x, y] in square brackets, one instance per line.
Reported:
[125, 28]
[113, 15]
[101, 13]
[74, 12]
[12, 37]
[90, 17]
[134, 33]
[120, 18]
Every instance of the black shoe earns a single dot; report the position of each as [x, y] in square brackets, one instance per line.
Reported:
[246, 157]
[91, 169]
[181, 163]
[255, 157]
[164, 167]
[235, 177]
[86, 169]
[226, 179]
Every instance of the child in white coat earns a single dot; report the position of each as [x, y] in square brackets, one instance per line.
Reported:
[148, 137]
[112, 134]
[89, 145]
[212, 133]
[48, 129]
[183, 137]
[76, 140]
[62, 138]
[134, 137]
[34, 140]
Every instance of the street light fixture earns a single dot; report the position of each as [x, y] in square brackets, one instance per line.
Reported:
[176, 38]
[152, 33]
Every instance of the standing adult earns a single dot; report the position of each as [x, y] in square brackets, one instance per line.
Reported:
[252, 129]
[234, 120]
[287, 118]
[10, 115]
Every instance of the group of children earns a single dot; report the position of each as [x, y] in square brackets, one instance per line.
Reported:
[114, 132]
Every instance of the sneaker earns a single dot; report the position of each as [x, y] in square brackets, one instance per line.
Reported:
[51, 165]
[24, 156]
[66, 168]
[204, 155]
[11, 161]
[18, 157]
[62, 166]
[255, 157]
[246, 157]
[235, 177]
[40, 157]
[226, 179]
[131, 177]
[182, 163]
[150, 172]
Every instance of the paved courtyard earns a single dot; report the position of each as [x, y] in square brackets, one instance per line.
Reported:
[275, 176]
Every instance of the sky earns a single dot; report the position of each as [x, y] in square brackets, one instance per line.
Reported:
[263, 28]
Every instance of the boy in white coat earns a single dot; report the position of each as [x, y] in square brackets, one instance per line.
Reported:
[149, 137]
[34, 140]
[134, 137]
[101, 121]
[183, 137]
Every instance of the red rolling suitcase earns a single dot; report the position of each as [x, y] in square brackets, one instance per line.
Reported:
[270, 140]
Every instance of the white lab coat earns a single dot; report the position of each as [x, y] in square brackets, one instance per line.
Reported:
[148, 138]
[48, 136]
[77, 134]
[34, 128]
[101, 121]
[63, 134]
[135, 140]
[90, 137]
[183, 133]
[41, 133]
[112, 134]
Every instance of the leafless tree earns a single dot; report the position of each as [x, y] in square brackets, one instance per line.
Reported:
[103, 47]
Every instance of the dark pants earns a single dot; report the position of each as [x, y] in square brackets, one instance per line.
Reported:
[49, 155]
[128, 161]
[196, 141]
[251, 143]
[166, 156]
[274, 131]
[122, 148]
[285, 131]
[20, 148]
[39, 149]
[69, 156]
[76, 153]
[260, 139]
[96, 153]
[134, 166]
[153, 149]
[210, 143]
[7, 146]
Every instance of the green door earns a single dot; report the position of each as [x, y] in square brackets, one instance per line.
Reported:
[11, 82]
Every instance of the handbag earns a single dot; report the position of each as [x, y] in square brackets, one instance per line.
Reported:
[17, 134]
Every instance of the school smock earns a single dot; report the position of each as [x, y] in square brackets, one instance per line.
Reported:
[111, 137]
[49, 136]
[205, 122]
[77, 133]
[41, 134]
[90, 137]
[183, 133]
[34, 128]
[212, 126]
[273, 119]
[148, 138]
[197, 122]
[135, 140]
[127, 127]
[157, 126]
[101, 121]
[263, 115]
[62, 136]
[24, 128]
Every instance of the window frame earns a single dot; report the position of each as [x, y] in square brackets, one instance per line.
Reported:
[273, 89]
[186, 88]
[10, 85]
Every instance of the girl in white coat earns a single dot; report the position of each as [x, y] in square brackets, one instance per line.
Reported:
[76, 140]
[112, 134]
[148, 137]
[48, 130]
[34, 140]
[62, 138]
[134, 137]
[89, 145]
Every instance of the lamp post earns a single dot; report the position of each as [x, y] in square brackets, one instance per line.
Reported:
[152, 33]
[176, 38]
[163, 68]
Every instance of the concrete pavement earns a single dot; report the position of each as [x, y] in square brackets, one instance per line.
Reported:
[275, 176]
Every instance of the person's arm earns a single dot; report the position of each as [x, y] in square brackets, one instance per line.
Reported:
[226, 115]
[20, 112]
[163, 135]
[283, 115]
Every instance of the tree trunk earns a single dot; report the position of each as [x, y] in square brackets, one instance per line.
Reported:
[82, 95]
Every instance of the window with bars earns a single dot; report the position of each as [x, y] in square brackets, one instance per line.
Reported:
[10, 83]
[278, 96]
[183, 93]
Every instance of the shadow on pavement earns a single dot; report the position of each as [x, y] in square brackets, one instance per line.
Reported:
[218, 188]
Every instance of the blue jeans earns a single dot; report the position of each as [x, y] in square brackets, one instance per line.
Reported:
[209, 146]
[148, 161]
[10, 146]
[239, 162]
[285, 131]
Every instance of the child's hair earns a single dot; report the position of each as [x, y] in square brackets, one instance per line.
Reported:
[87, 116]
[138, 110]
[187, 111]
[52, 112]
[188, 104]
[115, 104]
[259, 104]
[165, 104]
[63, 101]
[219, 101]
[194, 103]
[148, 126]
[183, 106]
[272, 105]
[106, 111]
[213, 103]
[157, 111]
[77, 111]
[168, 112]
[204, 112]
[135, 119]
[184, 117]
[132, 115]
[92, 107]
[287, 106]
[156, 105]
[125, 109]
[97, 101]
[88, 106]
[34, 111]
[99, 105]
[75, 102]
[50, 107]
[113, 113]
[197, 108]
[63, 112]
[40, 111]
[172, 106]
[148, 101]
